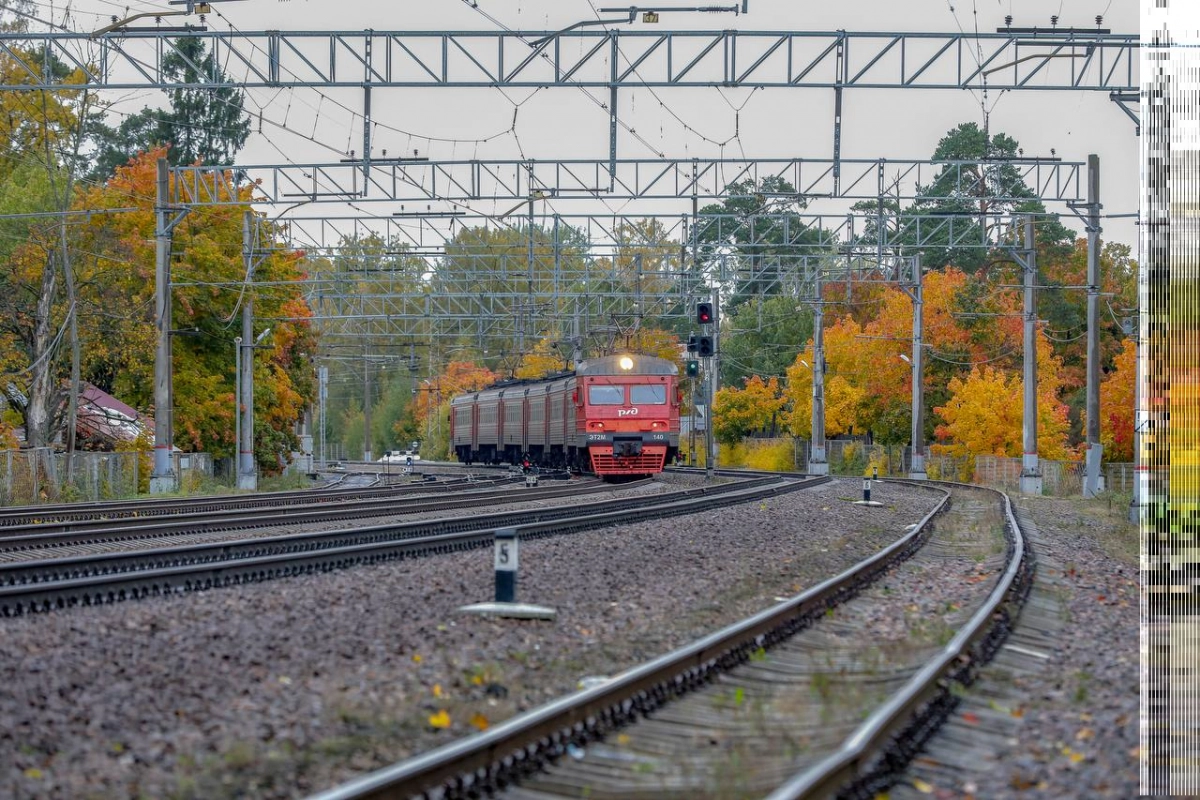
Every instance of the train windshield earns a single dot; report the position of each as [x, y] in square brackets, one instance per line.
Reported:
[648, 395]
[606, 395]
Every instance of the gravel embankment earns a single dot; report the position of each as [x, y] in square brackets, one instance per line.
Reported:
[1079, 731]
[284, 688]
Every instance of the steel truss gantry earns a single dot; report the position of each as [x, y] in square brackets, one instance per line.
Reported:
[709, 232]
[613, 59]
[400, 180]
[1046, 60]
[386, 305]
[428, 275]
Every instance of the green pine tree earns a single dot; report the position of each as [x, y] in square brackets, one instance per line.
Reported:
[202, 125]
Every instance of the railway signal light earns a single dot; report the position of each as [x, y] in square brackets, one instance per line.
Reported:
[691, 344]
[693, 369]
[704, 314]
[704, 346]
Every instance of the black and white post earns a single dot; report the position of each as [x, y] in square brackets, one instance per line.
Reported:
[505, 605]
[506, 565]
[866, 498]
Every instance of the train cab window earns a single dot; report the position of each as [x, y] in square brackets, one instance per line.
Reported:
[606, 395]
[648, 394]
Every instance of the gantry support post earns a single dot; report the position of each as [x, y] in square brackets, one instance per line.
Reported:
[613, 60]
[714, 366]
[247, 471]
[1093, 484]
[1031, 469]
[366, 155]
[916, 470]
[367, 454]
[817, 462]
[840, 78]
[163, 478]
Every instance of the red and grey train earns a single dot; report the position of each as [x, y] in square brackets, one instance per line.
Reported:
[615, 415]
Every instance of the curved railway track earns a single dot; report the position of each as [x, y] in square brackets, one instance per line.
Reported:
[55, 583]
[564, 748]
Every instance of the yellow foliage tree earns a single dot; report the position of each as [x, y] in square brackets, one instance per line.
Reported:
[655, 342]
[543, 359]
[843, 397]
[740, 412]
[984, 415]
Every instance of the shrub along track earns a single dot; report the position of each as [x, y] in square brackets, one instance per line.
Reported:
[57, 583]
[772, 702]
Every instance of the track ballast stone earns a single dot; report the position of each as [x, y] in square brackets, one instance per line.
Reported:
[280, 689]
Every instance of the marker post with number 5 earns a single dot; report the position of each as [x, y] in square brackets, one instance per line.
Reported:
[505, 604]
[506, 565]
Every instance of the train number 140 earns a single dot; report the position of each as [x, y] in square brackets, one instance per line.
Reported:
[627, 412]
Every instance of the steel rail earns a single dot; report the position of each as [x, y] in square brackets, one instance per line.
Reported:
[902, 723]
[57, 583]
[56, 534]
[488, 760]
[25, 515]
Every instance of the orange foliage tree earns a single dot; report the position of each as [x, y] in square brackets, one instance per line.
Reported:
[432, 405]
[1117, 394]
[208, 277]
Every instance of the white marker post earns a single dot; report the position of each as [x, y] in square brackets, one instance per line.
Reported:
[506, 565]
[506, 561]
[867, 501]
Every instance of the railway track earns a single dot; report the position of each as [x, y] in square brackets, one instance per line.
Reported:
[56, 583]
[44, 515]
[86, 537]
[800, 700]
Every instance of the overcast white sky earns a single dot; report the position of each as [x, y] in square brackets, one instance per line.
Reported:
[772, 123]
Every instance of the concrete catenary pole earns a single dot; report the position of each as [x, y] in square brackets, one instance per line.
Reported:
[367, 408]
[1031, 469]
[1092, 484]
[916, 470]
[162, 479]
[247, 473]
[817, 463]
[710, 447]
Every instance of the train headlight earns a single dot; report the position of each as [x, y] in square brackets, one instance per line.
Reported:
[626, 363]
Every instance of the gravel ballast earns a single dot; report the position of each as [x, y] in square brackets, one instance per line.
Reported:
[287, 687]
[1079, 722]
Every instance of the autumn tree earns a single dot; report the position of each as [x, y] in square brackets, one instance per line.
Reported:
[40, 139]
[984, 415]
[843, 398]
[546, 358]
[206, 126]
[761, 337]
[208, 280]
[758, 407]
[429, 414]
[749, 238]
[1117, 405]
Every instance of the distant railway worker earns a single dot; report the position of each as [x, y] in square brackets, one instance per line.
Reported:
[525, 463]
